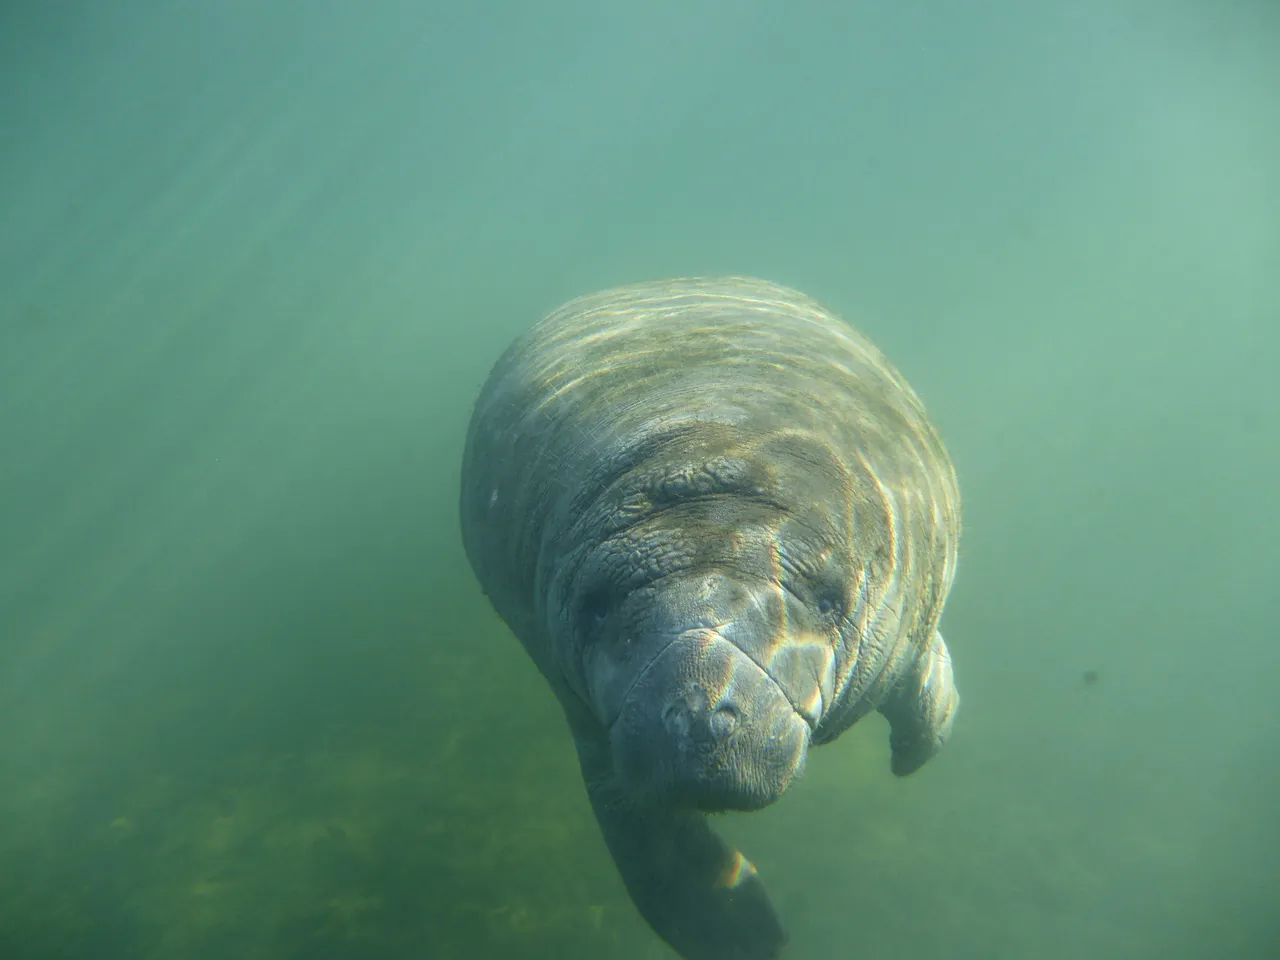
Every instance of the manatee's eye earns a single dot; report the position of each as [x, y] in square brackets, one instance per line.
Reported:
[830, 603]
[593, 611]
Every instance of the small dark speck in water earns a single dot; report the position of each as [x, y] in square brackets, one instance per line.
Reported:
[1090, 678]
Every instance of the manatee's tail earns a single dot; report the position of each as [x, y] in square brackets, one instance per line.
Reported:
[921, 709]
[699, 894]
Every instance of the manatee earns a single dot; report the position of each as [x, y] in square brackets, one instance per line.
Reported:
[723, 527]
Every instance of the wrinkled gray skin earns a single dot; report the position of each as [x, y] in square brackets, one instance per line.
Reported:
[721, 524]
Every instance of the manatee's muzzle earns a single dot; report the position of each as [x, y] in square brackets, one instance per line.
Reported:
[705, 727]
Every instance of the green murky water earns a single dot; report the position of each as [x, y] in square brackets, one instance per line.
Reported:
[255, 260]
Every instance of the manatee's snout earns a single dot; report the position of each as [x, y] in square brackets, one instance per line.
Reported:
[690, 716]
[705, 727]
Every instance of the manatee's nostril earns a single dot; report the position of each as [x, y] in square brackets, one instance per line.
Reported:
[676, 719]
[687, 719]
[724, 720]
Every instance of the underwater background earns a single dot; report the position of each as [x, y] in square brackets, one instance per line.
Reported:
[256, 260]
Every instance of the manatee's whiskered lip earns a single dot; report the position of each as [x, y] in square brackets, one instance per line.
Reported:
[811, 724]
[781, 693]
[673, 637]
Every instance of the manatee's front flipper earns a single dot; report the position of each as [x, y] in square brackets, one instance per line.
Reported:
[921, 709]
[698, 894]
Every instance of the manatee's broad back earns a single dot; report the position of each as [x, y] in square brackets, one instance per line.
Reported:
[722, 525]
